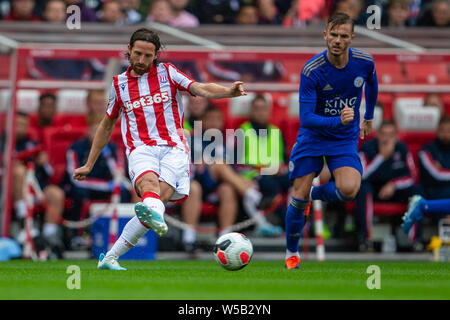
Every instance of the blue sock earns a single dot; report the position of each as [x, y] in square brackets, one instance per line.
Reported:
[295, 220]
[436, 206]
[328, 192]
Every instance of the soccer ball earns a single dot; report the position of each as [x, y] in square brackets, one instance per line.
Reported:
[233, 251]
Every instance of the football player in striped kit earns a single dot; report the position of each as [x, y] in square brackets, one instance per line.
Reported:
[148, 99]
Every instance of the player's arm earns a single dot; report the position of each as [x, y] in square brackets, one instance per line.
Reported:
[216, 91]
[101, 138]
[308, 100]
[371, 94]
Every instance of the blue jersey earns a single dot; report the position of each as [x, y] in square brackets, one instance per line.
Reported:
[324, 91]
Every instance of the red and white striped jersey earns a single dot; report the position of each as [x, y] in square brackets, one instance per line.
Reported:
[150, 105]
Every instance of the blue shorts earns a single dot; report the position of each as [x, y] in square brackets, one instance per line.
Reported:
[302, 166]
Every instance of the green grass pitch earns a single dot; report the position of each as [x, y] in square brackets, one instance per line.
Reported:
[206, 280]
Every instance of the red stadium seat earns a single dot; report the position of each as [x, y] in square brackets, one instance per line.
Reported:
[290, 132]
[427, 72]
[56, 142]
[389, 72]
[383, 208]
[386, 100]
[416, 140]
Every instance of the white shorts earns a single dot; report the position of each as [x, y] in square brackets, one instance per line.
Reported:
[170, 164]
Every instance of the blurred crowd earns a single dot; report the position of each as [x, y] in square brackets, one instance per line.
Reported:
[192, 13]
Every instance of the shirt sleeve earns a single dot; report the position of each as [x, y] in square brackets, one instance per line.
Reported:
[113, 108]
[179, 79]
[308, 100]
[371, 93]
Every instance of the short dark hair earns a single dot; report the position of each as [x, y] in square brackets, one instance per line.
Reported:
[144, 34]
[47, 95]
[388, 123]
[340, 18]
[259, 97]
[444, 119]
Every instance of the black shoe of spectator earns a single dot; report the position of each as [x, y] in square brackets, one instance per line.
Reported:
[56, 247]
[365, 246]
[191, 249]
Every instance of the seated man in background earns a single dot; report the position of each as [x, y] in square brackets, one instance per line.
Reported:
[434, 168]
[95, 104]
[219, 174]
[205, 187]
[389, 175]
[28, 150]
[195, 109]
[45, 116]
[98, 185]
[261, 136]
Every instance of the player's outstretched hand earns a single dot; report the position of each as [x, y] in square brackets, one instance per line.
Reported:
[366, 129]
[237, 89]
[81, 173]
[347, 115]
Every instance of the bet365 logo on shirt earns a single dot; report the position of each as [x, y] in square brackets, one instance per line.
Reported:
[147, 101]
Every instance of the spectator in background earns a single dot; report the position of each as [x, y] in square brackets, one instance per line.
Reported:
[182, 18]
[45, 116]
[22, 10]
[268, 12]
[161, 12]
[132, 16]
[247, 15]
[397, 14]
[261, 138]
[111, 12]
[215, 11]
[55, 11]
[354, 8]
[307, 13]
[389, 175]
[87, 14]
[434, 166]
[28, 150]
[95, 104]
[437, 16]
[434, 100]
[207, 187]
[195, 108]
[210, 176]
[98, 185]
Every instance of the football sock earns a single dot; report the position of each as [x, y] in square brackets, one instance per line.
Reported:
[130, 236]
[189, 235]
[329, 193]
[295, 221]
[290, 254]
[436, 206]
[153, 201]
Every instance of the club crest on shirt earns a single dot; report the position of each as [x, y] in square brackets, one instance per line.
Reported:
[163, 78]
[358, 82]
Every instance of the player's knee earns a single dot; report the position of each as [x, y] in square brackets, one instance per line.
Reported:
[147, 183]
[54, 194]
[349, 189]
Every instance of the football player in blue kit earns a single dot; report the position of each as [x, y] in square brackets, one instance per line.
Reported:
[330, 94]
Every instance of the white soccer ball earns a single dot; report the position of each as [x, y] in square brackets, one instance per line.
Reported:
[233, 251]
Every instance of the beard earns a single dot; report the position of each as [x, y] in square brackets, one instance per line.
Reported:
[140, 69]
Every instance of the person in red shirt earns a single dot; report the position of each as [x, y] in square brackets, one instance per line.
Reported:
[22, 10]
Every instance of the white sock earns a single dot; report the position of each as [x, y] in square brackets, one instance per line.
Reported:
[130, 236]
[49, 229]
[189, 235]
[155, 204]
[290, 254]
[224, 231]
[251, 200]
[21, 208]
